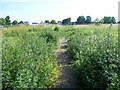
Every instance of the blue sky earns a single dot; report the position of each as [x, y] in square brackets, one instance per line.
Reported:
[40, 10]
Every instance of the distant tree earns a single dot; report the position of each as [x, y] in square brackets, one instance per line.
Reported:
[53, 22]
[66, 21]
[46, 21]
[97, 21]
[81, 20]
[15, 22]
[101, 21]
[107, 20]
[2, 21]
[7, 20]
[113, 20]
[88, 20]
[21, 22]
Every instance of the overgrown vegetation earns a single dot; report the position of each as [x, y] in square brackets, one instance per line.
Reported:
[94, 53]
[28, 59]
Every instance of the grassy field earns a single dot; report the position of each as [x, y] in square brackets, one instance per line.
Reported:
[28, 58]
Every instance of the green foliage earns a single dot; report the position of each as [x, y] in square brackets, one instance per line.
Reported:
[56, 29]
[88, 20]
[7, 20]
[81, 20]
[113, 20]
[96, 21]
[95, 58]
[46, 21]
[101, 21]
[50, 35]
[66, 21]
[2, 21]
[15, 22]
[28, 59]
[53, 22]
[108, 20]
[21, 22]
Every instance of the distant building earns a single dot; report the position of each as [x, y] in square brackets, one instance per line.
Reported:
[73, 23]
[35, 23]
[27, 23]
[59, 23]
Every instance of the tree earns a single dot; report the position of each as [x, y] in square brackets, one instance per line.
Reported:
[88, 20]
[15, 22]
[101, 21]
[66, 21]
[80, 20]
[2, 21]
[53, 22]
[97, 21]
[7, 20]
[46, 21]
[113, 20]
[21, 22]
[107, 20]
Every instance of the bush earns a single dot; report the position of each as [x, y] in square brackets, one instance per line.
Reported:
[56, 29]
[95, 59]
[28, 61]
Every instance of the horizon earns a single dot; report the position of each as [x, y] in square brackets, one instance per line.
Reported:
[37, 11]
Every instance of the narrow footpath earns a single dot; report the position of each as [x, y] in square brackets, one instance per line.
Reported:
[67, 79]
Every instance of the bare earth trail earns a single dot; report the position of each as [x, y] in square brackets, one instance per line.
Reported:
[67, 79]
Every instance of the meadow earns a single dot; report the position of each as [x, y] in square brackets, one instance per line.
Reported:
[28, 58]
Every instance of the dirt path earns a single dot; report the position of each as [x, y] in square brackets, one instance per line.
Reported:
[67, 79]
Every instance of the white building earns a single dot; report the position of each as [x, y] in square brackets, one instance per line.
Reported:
[59, 23]
[27, 23]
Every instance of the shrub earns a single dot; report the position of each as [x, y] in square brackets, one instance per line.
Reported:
[28, 61]
[95, 59]
[56, 29]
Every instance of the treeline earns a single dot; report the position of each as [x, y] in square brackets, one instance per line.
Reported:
[7, 21]
[67, 21]
[85, 20]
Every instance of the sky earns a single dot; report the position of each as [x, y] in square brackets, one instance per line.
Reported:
[40, 10]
